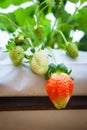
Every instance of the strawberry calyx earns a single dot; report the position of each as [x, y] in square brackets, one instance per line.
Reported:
[10, 45]
[32, 49]
[19, 37]
[29, 57]
[19, 40]
[59, 68]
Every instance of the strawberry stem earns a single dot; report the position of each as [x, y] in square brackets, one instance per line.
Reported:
[72, 16]
[35, 19]
[50, 49]
[43, 8]
[30, 42]
[64, 38]
[42, 3]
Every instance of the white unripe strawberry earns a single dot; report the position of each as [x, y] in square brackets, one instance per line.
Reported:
[39, 62]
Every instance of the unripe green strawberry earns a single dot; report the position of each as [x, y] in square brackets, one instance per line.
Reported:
[38, 31]
[16, 54]
[59, 88]
[39, 62]
[72, 50]
[19, 39]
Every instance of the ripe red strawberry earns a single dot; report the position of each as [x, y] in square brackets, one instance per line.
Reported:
[59, 88]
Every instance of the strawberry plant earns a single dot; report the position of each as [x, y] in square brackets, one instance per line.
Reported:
[36, 25]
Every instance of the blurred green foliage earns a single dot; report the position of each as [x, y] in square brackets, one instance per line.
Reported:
[36, 15]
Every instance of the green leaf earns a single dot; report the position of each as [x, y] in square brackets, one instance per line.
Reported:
[7, 22]
[4, 3]
[83, 44]
[21, 15]
[59, 12]
[82, 1]
[23, 18]
[18, 2]
[81, 19]
[74, 1]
